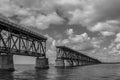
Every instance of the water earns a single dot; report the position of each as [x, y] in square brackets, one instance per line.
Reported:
[94, 72]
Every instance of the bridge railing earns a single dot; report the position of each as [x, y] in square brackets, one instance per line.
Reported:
[18, 25]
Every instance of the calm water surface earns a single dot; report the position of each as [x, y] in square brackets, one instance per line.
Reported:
[94, 72]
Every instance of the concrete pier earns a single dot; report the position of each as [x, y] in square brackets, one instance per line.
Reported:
[6, 62]
[67, 63]
[42, 63]
[60, 63]
[76, 63]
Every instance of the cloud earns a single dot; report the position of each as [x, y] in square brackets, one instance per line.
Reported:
[77, 16]
[105, 55]
[50, 39]
[49, 6]
[117, 39]
[69, 32]
[110, 26]
[70, 2]
[29, 17]
[82, 15]
[77, 38]
[8, 8]
[80, 42]
[106, 10]
[42, 21]
[51, 52]
[103, 10]
[98, 16]
[107, 33]
[107, 28]
[40, 12]
[44, 6]
[51, 42]
[115, 45]
[90, 14]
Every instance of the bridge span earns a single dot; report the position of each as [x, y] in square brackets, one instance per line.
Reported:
[69, 57]
[15, 39]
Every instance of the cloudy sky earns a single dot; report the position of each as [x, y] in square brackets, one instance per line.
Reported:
[88, 26]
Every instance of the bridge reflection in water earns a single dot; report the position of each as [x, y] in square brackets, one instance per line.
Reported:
[93, 72]
[6, 75]
[69, 57]
[15, 39]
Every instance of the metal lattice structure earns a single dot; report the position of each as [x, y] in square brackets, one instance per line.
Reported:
[72, 56]
[18, 40]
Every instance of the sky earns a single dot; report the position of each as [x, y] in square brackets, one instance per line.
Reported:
[89, 26]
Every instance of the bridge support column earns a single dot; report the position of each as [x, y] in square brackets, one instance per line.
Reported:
[68, 63]
[60, 63]
[6, 62]
[77, 63]
[42, 63]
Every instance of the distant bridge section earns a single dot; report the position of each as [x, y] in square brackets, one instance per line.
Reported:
[16, 39]
[69, 57]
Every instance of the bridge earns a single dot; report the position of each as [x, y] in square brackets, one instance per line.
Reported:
[69, 57]
[16, 39]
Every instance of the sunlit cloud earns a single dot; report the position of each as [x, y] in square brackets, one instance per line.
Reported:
[80, 42]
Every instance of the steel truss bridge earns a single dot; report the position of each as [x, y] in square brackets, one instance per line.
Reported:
[15, 39]
[71, 56]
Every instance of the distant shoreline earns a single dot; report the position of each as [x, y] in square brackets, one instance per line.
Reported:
[110, 63]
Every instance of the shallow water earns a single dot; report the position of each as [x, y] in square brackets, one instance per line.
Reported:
[93, 72]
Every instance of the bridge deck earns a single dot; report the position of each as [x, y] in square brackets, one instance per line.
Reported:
[4, 50]
[17, 28]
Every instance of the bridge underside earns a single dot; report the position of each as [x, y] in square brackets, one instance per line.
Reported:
[17, 40]
[69, 57]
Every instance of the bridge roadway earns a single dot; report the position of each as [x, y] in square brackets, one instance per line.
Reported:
[69, 57]
[16, 39]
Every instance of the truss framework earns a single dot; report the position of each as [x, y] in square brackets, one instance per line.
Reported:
[18, 40]
[13, 44]
[72, 56]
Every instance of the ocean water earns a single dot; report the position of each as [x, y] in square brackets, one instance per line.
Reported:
[93, 72]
